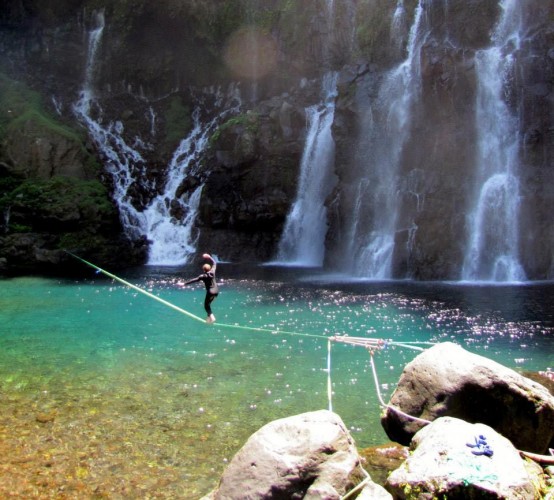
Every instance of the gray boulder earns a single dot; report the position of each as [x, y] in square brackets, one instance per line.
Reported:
[442, 465]
[310, 456]
[447, 380]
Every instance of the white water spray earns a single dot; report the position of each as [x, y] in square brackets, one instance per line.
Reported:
[303, 238]
[493, 247]
[172, 239]
[119, 157]
[398, 25]
[377, 194]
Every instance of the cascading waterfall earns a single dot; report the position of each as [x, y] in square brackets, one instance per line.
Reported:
[493, 248]
[303, 238]
[398, 25]
[119, 157]
[172, 241]
[377, 192]
[95, 37]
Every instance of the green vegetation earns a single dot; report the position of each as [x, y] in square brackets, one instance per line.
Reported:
[59, 194]
[62, 198]
[16, 100]
[20, 105]
[249, 121]
[178, 121]
[8, 184]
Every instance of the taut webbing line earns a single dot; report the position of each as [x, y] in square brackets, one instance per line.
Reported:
[383, 404]
[369, 343]
[138, 289]
[187, 313]
[329, 383]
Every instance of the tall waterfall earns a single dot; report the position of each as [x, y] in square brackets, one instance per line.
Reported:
[493, 247]
[172, 240]
[119, 157]
[303, 238]
[398, 24]
[387, 129]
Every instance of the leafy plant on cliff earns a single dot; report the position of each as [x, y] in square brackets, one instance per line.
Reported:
[178, 122]
[8, 183]
[248, 121]
[69, 202]
[18, 103]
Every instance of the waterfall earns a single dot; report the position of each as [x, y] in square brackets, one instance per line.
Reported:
[303, 238]
[398, 25]
[372, 233]
[493, 247]
[171, 239]
[119, 157]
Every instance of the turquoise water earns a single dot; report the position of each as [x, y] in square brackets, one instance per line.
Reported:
[106, 391]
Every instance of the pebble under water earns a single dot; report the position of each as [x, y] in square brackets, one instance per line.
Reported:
[108, 393]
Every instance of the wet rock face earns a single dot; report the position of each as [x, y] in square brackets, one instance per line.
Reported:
[438, 161]
[251, 175]
[464, 24]
[37, 151]
[154, 57]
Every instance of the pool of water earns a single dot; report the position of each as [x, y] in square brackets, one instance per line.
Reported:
[107, 392]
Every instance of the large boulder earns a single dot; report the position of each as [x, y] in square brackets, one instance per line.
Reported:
[311, 455]
[443, 465]
[447, 380]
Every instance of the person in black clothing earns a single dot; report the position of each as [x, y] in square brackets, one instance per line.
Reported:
[212, 290]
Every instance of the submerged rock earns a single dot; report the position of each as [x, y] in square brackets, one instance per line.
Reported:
[447, 380]
[311, 455]
[443, 465]
[381, 460]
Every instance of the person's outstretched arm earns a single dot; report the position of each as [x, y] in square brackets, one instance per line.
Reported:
[194, 280]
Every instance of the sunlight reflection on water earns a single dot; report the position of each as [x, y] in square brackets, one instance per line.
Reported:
[129, 385]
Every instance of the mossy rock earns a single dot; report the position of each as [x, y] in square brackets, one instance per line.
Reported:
[57, 204]
[34, 142]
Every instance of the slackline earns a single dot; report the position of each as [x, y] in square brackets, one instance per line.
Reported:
[369, 343]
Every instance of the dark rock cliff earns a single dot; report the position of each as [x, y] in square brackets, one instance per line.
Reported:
[159, 62]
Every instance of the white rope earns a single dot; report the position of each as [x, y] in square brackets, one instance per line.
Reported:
[360, 485]
[412, 347]
[383, 404]
[329, 384]
[372, 343]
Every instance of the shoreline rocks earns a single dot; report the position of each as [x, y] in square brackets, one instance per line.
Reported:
[313, 456]
[447, 380]
[445, 461]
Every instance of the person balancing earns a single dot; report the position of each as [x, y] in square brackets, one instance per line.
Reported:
[212, 290]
